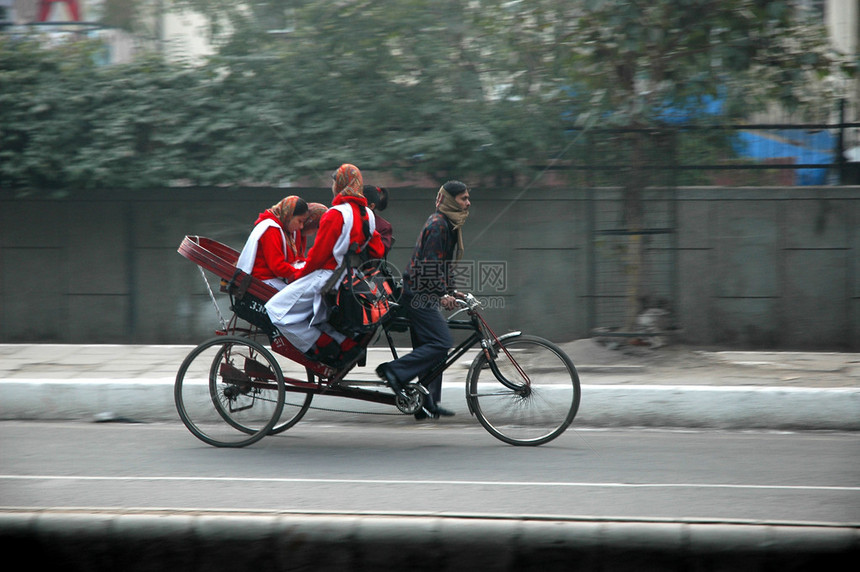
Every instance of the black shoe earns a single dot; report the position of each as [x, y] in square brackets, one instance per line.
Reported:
[328, 355]
[313, 354]
[442, 412]
[351, 355]
[385, 374]
[432, 410]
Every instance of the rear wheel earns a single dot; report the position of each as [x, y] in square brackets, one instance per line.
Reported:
[528, 394]
[296, 404]
[229, 391]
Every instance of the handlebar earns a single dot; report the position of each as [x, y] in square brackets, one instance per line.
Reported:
[466, 301]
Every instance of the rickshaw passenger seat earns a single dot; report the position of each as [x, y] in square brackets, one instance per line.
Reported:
[253, 310]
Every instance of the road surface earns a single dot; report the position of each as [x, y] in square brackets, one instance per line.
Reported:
[433, 469]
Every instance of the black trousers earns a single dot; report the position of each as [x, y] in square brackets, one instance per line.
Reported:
[431, 340]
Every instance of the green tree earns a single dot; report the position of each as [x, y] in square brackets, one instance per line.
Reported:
[486, 89]
[401, 85]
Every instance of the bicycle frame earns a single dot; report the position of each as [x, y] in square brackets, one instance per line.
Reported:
[220, 259]
[476, 325]
[339, 385]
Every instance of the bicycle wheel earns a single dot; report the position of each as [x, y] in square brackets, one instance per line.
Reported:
[528, 394]
[296, 404]
[229, 391]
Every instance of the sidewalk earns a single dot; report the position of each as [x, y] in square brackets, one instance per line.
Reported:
[670, 386]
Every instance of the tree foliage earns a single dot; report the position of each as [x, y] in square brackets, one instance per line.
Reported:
[642, 57]
[484, 89]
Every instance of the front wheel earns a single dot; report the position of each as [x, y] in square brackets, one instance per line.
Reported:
[527, 394]
[229, 391]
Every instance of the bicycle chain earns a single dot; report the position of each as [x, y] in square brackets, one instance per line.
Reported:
[316, 408]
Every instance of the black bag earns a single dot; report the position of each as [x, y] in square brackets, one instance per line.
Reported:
[363, 298]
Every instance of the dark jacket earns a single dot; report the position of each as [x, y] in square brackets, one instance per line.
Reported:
[429, 269]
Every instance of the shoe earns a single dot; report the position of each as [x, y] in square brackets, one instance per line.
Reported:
[312, 354]
[351, 354]
[328, 355]
[432, 410]
[442, 412]
[385, 374]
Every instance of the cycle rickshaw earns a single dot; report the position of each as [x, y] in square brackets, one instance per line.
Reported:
[231, 390]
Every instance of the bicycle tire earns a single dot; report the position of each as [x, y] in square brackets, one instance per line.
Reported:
[297, 409]
[529, 395]
[219, 402]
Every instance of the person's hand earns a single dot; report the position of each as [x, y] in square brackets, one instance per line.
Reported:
[448, 302]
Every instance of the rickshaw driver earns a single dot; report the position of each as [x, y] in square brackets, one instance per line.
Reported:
[427, 287]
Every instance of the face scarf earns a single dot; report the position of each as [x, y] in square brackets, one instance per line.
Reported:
[448, 206]
[348, 181]
[284, 211]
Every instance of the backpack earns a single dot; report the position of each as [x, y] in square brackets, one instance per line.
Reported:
[360, 293]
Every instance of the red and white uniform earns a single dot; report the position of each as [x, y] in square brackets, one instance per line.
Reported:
[299, 310]
[267, 254]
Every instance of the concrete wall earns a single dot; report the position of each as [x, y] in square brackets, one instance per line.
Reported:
[770, 268]
[754, 267]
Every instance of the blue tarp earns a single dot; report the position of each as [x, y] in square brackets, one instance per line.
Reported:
[795, 145]
[695, 107]
[798, 146]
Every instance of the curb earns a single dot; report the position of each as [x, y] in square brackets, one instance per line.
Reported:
[737, 407]
[93, 540]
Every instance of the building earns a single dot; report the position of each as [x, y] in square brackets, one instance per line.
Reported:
[181, 36]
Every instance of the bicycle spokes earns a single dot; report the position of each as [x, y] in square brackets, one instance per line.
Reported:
[528, 394]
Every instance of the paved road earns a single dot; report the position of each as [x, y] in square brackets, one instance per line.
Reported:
[431, 469]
